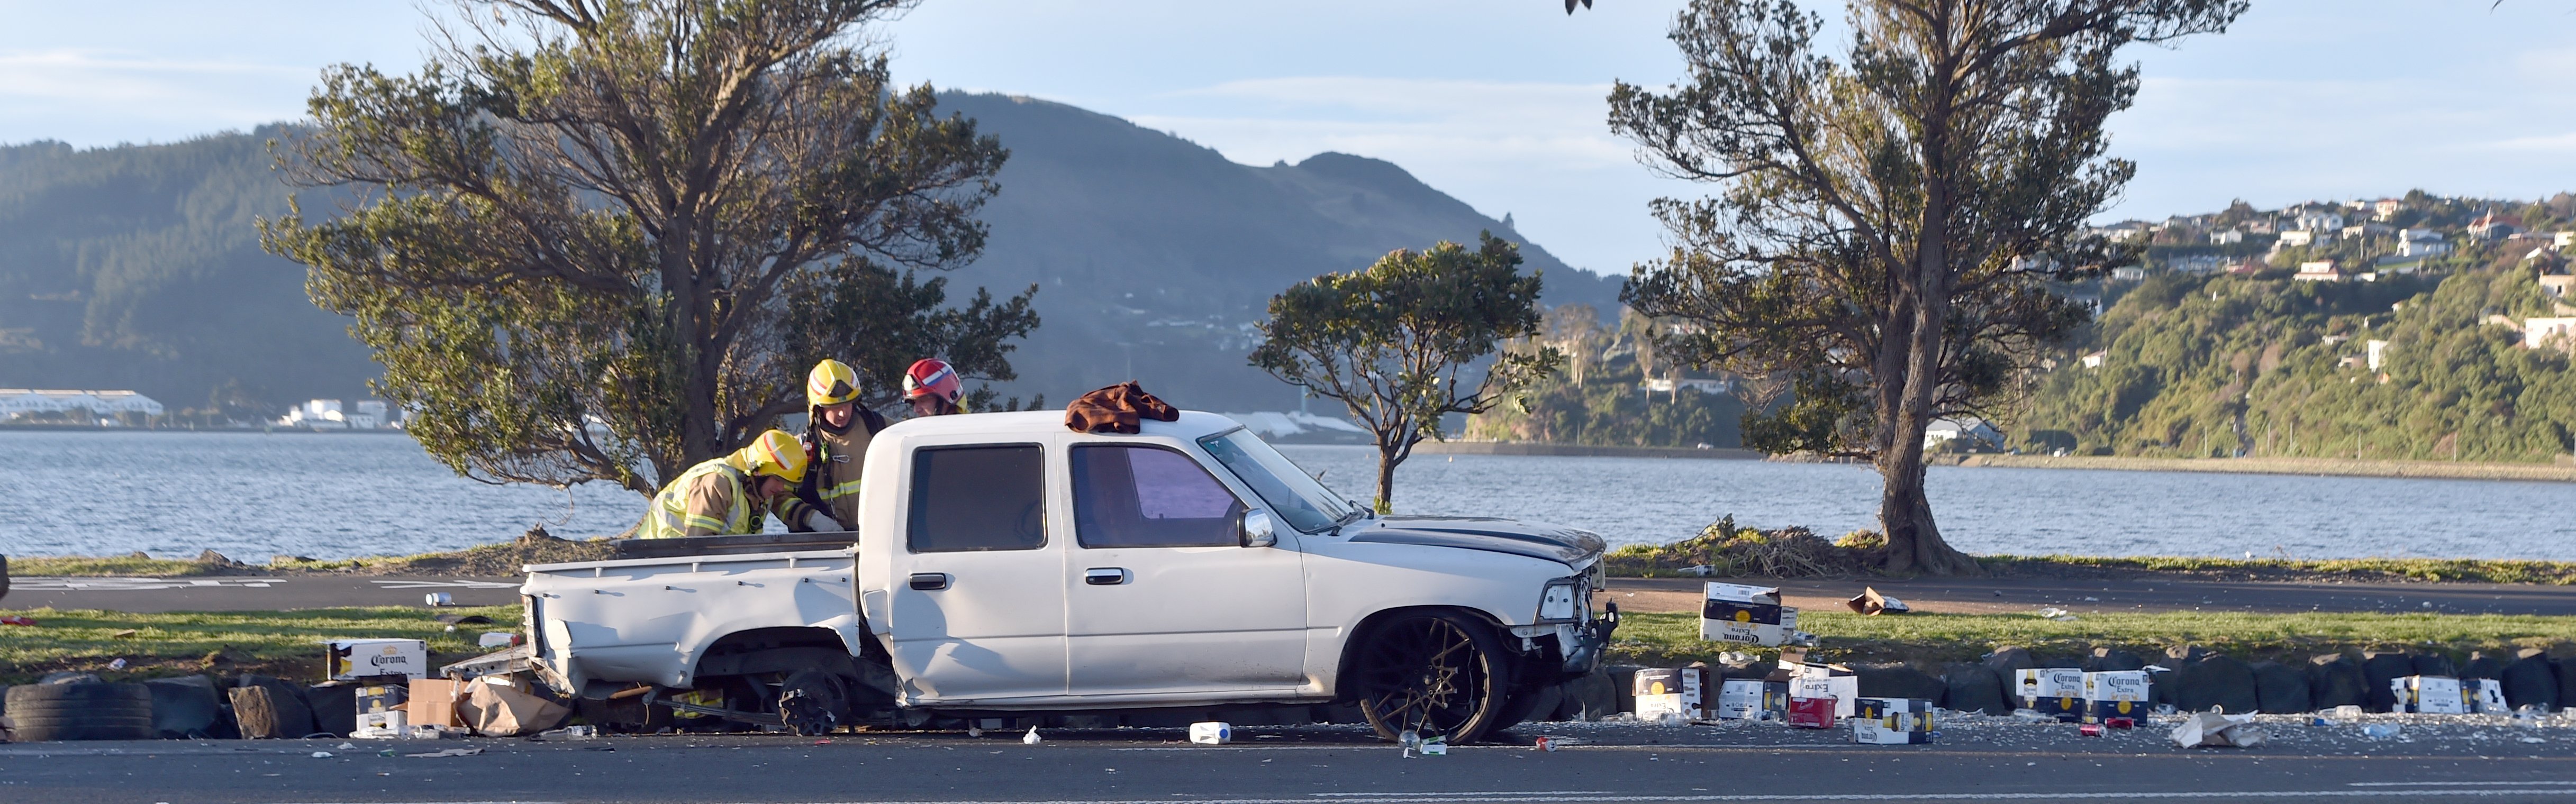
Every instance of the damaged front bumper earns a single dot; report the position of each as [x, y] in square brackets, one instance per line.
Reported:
[1583, 644]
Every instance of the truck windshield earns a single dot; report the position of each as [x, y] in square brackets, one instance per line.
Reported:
[1292, 494]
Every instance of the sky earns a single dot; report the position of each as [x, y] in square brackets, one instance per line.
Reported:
[1497, 102]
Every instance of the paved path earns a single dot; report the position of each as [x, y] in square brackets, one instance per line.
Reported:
[1973, 595]
[1308, 765]
[1986, 596]
[249, 593]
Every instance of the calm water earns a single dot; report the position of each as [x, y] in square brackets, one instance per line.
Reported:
[252, 496]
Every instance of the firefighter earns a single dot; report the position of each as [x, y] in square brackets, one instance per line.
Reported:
[836, 445]
[730, 495]
[931, 385]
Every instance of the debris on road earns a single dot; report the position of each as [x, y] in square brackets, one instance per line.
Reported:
[451, 752]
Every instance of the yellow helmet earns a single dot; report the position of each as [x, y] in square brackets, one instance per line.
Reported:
[831, 383]
[774, 453]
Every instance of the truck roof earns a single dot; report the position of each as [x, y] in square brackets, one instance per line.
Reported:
[1192, 424]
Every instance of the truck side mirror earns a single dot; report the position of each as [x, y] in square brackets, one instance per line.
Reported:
[1255, 530]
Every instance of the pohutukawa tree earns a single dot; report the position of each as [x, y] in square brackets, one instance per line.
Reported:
[1401, 342]
[594, 237]
[1890, 216]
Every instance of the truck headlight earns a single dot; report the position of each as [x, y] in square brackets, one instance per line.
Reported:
[1562, 601]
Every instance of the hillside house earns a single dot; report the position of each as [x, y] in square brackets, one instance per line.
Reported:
[2539, 332]
[2319, 271]
[2386, 208]
[2558, 286]
[2320, 220]
[2421, 243]
[2378, 352]
[2492, 226]
[2226, 237]
[2198, 263]
[1968, 431]
[2297, 237]
[2094, 360]
[2128, 273]
[2366, 229]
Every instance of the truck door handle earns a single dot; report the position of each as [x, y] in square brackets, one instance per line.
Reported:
[929, 581]
[1104, 576]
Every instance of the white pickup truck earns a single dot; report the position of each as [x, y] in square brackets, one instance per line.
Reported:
[1007, 566]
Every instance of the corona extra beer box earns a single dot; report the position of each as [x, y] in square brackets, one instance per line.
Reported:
[1750, 614]
[353, 659]
[2430, 695]
[2053, 691]
[1810, 680]
[1662, 690]
[1892, 721]
[2115, 693]
[2486, 696]
[1752, 699]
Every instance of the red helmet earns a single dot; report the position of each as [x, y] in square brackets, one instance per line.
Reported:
[931, 376]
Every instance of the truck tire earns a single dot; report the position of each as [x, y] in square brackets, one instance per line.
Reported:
[1432, 673]
[813, 702]
[81, 711]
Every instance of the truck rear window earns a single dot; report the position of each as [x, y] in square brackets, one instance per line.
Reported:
[977, 498]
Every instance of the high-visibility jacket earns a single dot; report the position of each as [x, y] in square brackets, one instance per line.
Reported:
[711, 499]
[832, 474]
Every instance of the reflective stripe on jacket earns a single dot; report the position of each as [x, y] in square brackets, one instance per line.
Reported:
[833, 478]
[708, 500]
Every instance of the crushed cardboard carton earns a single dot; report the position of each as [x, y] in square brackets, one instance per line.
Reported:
[1892, 721]
[1811, 713]
[2429, 695]
[354, 659]
[2486, 696]
[2057, 692]
[1751, 614]
[1870, 602]
[1662, 691]
[432, 702]
[1813, 680]
[2214, 730]
[1752, 699]
[495, 706]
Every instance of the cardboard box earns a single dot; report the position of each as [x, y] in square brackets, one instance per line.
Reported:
[2116, 693]
[2431, 695]
[432, 702]
[389, 725]
[1662, 690]
[1824, 681]
[2054, 691]
[354, 659]
[2486, 696]
[1752, 699]
[1750, 614]
[1892, 721]
[1811, 713]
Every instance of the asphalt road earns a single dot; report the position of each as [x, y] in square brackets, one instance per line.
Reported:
[1311, 765]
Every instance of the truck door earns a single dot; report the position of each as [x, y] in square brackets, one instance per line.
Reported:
[978, 598]
[1161, 596]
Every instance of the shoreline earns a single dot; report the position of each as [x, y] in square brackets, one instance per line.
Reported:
[1580, 450]
[2314, 467]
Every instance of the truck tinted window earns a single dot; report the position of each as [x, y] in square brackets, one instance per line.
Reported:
[977, 498]
[1133, 496]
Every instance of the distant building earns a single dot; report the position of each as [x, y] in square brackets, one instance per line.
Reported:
[2492, 226]
[366, 414]
[2558, 286]
[2226, 237]
[2128, 273]
[2094, 360]
[2320, 220]
[2198, 263]
[2296, 237]
[2421, 243]
[2538, 333]
[1666, 385]
[2319, 271]
[2386, 208]
[16, 402]
[2378, 352]
[1973, 430]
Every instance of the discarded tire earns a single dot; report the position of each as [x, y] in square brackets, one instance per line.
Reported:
[2110, 659]
[2377, 669]
[2280, 688]
[80, 711]
[269, 708]
[1973, 687]
[2435, 664]
[2216, 680]
[2336, 680]
[2530, 681]
[185, 707]
[1896, 681]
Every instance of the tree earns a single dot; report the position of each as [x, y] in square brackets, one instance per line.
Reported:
[595, 236]
[1392, 340]
[1889, 219]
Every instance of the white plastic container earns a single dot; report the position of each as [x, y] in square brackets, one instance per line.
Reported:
[1210, 732]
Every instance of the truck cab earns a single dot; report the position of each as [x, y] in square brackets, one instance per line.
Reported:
[1004, 564]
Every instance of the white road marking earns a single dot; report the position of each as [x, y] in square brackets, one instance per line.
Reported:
[2440, 784]
[120, 584]
[449, 584]
[1456, 793]
[1510, 798]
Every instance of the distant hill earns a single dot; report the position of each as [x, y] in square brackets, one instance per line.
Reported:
[137, 266]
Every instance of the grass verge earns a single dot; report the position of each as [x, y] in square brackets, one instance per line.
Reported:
[497, 559]
[1674, 638]
[286, 644]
